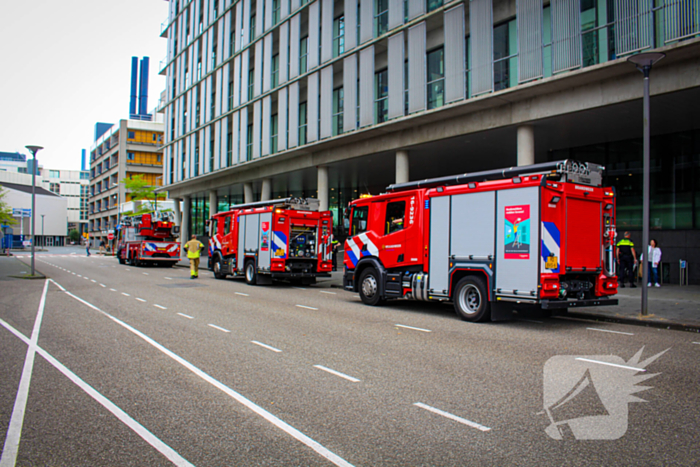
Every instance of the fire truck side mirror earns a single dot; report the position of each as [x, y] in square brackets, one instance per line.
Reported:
[346, 223]
[176, 229]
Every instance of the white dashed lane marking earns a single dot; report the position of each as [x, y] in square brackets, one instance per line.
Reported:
[186, 316]
[268, 347]
[241, 293]
[613, 332]
[140, 299]
[461, 420]
[337, 373]
[219, 328]
[158, 306]
[411, 327]
[126, 294]
[329, 293]
[307, 307]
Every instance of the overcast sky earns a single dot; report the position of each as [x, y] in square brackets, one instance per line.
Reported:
[66, 64]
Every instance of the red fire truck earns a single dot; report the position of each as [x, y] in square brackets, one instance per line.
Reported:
[534, 236]
[148, 239]
[279, 239]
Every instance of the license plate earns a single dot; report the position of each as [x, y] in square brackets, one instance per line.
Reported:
[551, 263]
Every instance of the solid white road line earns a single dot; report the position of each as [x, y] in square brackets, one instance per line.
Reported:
[219, 328]
[241, 293]
[186, 316]
[14, 430]
[268, 347]
[337, 373]
[135, 426]
[613, 332]
[290, 430]
[411, 327]
[307, 307]
[140, 299]
[158, 306]
[464, 421]
[329, 293]
[126, 294]
[610, 364]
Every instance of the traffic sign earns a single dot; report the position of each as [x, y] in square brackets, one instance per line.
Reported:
[17, 212]
[110, 236]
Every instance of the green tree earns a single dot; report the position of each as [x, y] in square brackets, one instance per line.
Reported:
[74, 235]
[140, 190]
[5, 210]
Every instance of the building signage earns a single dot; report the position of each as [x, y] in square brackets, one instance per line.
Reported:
[16, 212]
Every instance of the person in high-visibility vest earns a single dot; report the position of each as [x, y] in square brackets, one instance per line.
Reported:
[334, 252]
[194, 247]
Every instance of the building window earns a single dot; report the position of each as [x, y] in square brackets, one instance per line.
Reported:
[130, 156]
[273, 134]
[55, 188]
[196, 154]
[275, 11]
[249, 143]
[436, 78]
[251, 84]
[434, 4]
[130, 135]
[184, 162]
[505, 62]
[252, 26]
[230, 95]
[381, 17]
[302, 124]
[197, 109]
[339, 36]
[381, 93]
[211, 156]
[54, 174]
[338, 104]
[303, 54]
[275, 70]
[229, 150]
[597, 31]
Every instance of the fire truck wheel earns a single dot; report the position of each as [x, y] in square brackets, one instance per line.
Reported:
[217, 269]
[471, 300]
[251, 275]
[369, 287]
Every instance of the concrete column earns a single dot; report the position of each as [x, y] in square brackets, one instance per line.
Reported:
[323, 187]
[185, 225]
[248, 193]
[213, 203]
[266, 193]
[526, 145]
[401, 166]
[178, 212]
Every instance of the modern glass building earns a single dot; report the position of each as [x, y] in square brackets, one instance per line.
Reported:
[335, 99]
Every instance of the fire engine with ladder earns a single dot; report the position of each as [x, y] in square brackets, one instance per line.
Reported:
[148, 239]
[279, 239]
[539, 236]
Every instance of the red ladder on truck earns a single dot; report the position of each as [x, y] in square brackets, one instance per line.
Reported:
[534, 236]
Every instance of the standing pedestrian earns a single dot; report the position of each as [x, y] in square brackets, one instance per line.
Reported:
[334, 246]
[102, 247]
[627, 258]
[653, 259]
[194, 247]
[87, 246]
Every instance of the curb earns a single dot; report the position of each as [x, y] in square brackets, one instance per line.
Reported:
[37, 274]
[646, 322]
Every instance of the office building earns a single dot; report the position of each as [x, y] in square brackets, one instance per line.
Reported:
[269, 98]
[128, 148]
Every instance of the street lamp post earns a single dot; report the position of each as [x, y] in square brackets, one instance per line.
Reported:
[644, 62]
[33, 150]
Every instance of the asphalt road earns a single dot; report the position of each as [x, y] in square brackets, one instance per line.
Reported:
[142, 366]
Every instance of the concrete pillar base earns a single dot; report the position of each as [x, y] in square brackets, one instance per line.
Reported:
[323, 188]
[266, 193]
[526, 145]
[248, 193]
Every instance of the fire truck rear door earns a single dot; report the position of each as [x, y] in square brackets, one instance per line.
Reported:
[264, 243]
[517, 242]
[252, 228]
[438, 278]
[240, 255]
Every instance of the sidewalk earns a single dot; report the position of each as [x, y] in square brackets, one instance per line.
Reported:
[12, 269]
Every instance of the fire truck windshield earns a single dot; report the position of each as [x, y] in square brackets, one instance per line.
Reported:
[359, 219]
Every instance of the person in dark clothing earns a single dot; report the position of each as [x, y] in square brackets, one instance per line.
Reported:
[626, 258]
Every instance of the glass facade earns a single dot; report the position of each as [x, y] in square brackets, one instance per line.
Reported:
[436, 78]
[674, 168]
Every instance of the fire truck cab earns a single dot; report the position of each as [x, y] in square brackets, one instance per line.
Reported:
[279, 239]
[535, 236]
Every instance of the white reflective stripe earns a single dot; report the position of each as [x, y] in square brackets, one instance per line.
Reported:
[354, 248]
[371, 247]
